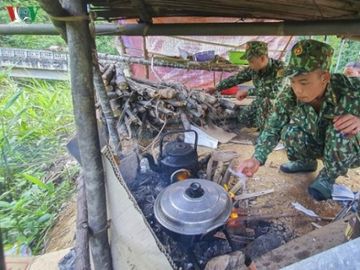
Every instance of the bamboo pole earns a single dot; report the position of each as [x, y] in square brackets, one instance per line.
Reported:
[284, 28]
[174, 63]
[146, 57]
[81, 78]
[339, 55]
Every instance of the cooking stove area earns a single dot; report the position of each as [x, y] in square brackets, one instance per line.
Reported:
[194, 218]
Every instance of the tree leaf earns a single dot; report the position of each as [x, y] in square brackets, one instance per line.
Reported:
[35, 181]
[4, 204]
[12, 100]
[44, 218]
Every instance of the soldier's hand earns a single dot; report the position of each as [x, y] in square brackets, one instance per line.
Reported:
[248, 166]
[241, 94]
[210, 90]
[347, 124]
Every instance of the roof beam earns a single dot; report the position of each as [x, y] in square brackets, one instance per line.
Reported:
[346, 28]
[142, 10]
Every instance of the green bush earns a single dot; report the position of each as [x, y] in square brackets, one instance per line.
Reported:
[35, 122]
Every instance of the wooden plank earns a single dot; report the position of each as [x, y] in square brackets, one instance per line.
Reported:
[253, 195]
[305, 246]
[290, 10]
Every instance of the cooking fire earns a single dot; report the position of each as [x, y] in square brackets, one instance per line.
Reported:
[195, 217]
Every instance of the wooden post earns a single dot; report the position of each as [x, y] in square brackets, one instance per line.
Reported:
[82, 236]
[146, 57]
[81, 77]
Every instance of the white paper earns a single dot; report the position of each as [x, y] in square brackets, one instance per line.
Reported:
[238, 174]
[203, 138]
[279, 146]
[304, 210]
[342, 193]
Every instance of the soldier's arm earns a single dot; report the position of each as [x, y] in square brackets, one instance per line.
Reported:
[241, 77]
[270, 136]
[272, 85]
[347, 118]
[350, 102]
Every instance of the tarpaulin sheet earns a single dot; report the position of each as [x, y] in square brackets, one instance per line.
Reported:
[171, 46]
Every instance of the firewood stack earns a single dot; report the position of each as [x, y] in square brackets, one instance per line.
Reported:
[144, 105]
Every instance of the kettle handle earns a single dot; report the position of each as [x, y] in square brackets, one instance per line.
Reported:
[174, 132]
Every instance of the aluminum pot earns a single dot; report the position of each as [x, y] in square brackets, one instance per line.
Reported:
[193, 207]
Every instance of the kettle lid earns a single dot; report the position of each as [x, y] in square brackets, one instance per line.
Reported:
[178, 149]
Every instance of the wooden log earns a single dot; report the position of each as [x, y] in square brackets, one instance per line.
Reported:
[176, 103]
[127, 123]
[185, 121]
[112, 95]
[110, 109]
[167, 93]
[108, 74]
[227, 103]
[120, 79]
[109, 88]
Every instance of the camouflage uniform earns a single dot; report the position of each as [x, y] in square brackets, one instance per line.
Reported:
[266, 82]
[308, 134]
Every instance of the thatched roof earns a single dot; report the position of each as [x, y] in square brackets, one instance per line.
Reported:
[302, 10]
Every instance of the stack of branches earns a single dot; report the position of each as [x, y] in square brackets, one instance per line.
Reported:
[141, 105]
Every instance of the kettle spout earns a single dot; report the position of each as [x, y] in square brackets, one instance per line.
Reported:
[152, 164]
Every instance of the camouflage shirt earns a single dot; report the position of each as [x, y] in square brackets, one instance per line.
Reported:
[267, 82]
[342, 96]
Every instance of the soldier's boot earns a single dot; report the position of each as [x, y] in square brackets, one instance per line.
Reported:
[321, 188]
[299, 166]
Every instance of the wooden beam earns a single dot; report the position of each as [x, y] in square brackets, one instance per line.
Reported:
[305, 246]
[142, 11]
[82, 261]
[285, 28]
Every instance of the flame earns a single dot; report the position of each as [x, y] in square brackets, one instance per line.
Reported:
[180, 175]
[234, 215]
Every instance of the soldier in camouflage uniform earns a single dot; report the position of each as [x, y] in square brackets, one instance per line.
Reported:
[317, 116]
[266, 75]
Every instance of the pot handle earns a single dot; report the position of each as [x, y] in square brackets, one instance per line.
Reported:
[174, 132]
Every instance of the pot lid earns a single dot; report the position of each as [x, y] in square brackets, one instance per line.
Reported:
[178, 149]
[192, 206]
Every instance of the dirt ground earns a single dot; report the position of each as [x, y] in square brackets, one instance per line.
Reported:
[62, 235]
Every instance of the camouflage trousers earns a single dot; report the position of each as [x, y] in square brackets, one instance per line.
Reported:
[337, 152]
[256, 114]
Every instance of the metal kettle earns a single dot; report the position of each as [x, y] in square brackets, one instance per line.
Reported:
[175, 155]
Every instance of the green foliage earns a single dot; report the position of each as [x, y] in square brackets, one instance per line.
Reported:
[350, 51]
[35, 121]
[105, 44]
